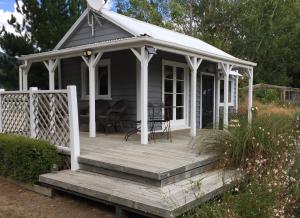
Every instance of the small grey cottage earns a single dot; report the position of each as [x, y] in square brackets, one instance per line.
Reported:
[106, 58]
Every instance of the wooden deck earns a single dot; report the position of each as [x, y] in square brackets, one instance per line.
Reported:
[158, 160]
[160, 179]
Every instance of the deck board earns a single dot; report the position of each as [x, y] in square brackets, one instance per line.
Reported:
[159, 157]
[166, 201]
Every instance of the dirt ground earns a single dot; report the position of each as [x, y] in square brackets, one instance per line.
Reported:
[16, 202]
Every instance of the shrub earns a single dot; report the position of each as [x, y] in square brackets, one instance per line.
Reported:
[264, 153]
[266, 95]
[24, 159]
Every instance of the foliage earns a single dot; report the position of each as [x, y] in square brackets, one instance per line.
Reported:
[24, 159]
[267, 95]
[265, 32]
[265, 155]
[45, 23]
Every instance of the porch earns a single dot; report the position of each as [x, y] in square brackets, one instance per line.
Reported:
[161, 179]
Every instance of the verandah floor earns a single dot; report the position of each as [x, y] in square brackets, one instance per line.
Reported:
[158, 157]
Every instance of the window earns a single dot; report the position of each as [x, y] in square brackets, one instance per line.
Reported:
[230, 92]
[102, 77]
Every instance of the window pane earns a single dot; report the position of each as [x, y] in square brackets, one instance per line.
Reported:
[180, 87]
[168, 72]
[179, 113]
[103, 80]
[180, 73]
[221, 91]
[168, 100]
[169, 113]
[169, 86]
[179, 100]
[87, 82]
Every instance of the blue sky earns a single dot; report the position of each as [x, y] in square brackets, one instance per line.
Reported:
[7, 5]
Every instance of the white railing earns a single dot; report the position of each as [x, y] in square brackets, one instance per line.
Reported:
[48, 115]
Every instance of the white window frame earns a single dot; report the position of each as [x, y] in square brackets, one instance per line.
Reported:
[84, 72]
[230, 103]
[178, 124]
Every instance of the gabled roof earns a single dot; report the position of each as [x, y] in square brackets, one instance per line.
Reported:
[138, 28]
[156, 35]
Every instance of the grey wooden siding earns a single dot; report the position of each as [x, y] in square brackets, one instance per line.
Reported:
[123, 79]
[83, 34]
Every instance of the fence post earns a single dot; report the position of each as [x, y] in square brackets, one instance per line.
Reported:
[31, 113]
[1, 129]
[74, 127]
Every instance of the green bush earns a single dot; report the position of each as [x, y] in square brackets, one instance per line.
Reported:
[266, 95]
[262, 138]
[24, 159]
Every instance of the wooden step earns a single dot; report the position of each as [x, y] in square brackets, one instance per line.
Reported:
[167, 201]
[146, 178]
[149, 173]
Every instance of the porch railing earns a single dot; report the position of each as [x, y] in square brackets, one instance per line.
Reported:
[51, 115]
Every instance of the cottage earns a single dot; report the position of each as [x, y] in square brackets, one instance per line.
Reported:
[110, 58]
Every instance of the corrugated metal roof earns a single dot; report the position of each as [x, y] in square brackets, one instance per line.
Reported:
[138, 28]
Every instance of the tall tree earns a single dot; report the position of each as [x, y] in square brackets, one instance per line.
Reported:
[266, 32]
[45, 22]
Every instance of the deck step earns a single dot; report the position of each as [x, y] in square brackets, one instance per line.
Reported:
[153, 176]
[167, 201]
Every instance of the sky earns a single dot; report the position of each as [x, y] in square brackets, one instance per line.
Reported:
[7, 8]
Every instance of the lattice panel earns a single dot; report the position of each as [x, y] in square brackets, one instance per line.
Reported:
[15, 114]
[51, 118]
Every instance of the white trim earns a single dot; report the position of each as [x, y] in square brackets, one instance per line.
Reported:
[127, 43]
[184, 122]
[201, 90]
[231, 103]
[84, 68]
[71, 30]
[138, 90]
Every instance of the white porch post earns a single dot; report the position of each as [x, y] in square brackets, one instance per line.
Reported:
[250, 95]
[74, 127]
[31, 113]
[20, 78]
[217, 121]
[92, 62]
[23, 75]
[51, 66]
[226, 69]
[236, 93]
[144, 57]
[194, 64]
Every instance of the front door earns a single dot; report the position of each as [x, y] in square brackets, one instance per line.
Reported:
[174, 97]
[208, 86]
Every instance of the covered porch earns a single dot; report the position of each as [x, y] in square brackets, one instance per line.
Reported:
[147, 54]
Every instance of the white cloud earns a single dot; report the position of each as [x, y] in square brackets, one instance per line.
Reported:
[6, 15]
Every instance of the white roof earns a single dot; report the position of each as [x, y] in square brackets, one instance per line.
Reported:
[138, 28]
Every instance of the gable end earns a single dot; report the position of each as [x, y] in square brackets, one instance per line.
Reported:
[82, 35]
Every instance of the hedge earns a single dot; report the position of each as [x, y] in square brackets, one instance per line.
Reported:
[24, 159]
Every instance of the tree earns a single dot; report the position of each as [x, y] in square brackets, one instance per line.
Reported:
[45, 23]
[151, 11]
[266, 32]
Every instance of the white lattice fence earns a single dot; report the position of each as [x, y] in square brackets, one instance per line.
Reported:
[15, 114]
[51, 117]
[48, 115]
